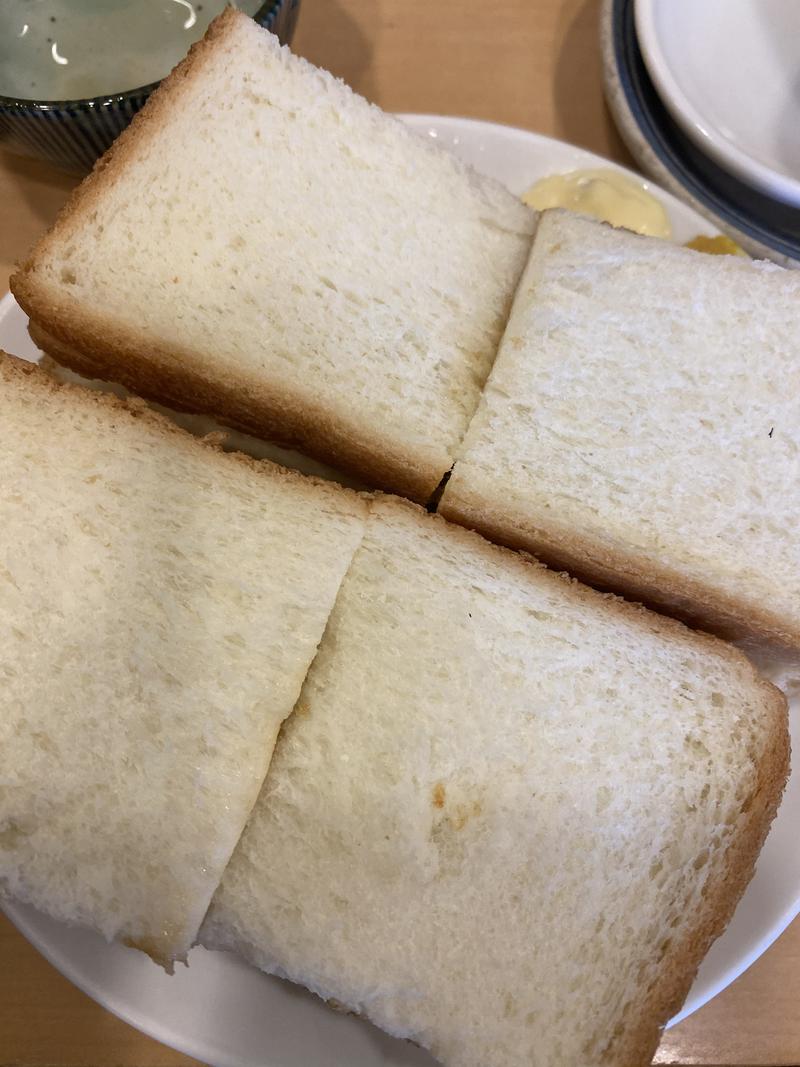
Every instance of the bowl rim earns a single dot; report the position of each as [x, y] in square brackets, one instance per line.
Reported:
[705, 135]
[104, 100]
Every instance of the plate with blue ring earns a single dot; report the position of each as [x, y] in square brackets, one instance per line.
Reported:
[764, 227]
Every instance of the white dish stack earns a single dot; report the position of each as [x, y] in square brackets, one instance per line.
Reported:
[728, 71]
[707, 98]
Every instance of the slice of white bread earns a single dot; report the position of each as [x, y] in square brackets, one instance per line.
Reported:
[509, 814]
[264, 245]
[161, 603]
[641, 427]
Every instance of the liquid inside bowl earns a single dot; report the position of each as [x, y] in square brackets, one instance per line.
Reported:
[74, 49]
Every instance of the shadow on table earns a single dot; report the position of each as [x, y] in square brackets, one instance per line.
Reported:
[43, 186]
[583, 118]
[331, 37]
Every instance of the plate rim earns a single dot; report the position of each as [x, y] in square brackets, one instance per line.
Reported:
[674, 201]
[703, 132]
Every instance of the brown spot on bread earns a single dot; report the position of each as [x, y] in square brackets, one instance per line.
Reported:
[463, 813]
[438, 795]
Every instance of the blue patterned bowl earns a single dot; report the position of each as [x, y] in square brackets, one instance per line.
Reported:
[73, 133]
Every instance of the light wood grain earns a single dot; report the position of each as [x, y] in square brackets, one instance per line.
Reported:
[531, 63]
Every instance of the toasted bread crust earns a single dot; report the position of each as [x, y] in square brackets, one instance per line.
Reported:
[637, 1042]
[135, 408]
[288, 423]
[631, 574]
[641, 1028]
[95, 347]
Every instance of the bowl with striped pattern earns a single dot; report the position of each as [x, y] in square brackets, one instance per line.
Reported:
[72, 134]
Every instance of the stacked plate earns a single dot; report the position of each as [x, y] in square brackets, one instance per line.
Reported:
[707, 98]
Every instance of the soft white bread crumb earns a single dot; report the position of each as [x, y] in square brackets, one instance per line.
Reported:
[508, 814]
[641, 426]
[265, 245]
[161, 602]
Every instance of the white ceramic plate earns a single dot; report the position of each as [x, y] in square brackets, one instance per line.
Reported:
[765, 227]
[729, 73]
[225, 1013]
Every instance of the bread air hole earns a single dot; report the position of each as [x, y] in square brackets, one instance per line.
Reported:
[10, 834]
[701, 860]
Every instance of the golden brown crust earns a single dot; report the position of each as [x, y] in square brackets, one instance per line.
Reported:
[666, 627]
[609, 604]
[270, 415]
[620, 569]
[99, 348]
[641, 1030]
[132, 408]
[638, 1042]
[521, 562]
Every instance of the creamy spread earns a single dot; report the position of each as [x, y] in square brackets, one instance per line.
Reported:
[605, 194]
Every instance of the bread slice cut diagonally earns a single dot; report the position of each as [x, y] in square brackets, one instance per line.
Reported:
[264, 245]
[509, 814]
[161, 602]
[641, 426]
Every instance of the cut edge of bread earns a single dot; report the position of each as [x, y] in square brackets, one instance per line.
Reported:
[618, 568]
[94, 347]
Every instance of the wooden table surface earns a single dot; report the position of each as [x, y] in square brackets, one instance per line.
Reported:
[531, 63]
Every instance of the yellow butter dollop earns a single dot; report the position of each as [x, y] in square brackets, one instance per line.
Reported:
[605, 194]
